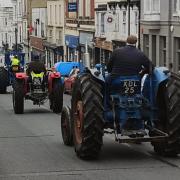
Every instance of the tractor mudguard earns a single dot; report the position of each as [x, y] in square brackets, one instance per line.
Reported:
[51, 77]
[159, 75]
[22, 77]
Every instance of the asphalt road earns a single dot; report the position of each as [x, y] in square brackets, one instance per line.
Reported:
[31, 148]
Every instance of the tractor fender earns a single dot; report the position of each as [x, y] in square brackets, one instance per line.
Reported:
[22, 77]
[51, 77]
[160, 75]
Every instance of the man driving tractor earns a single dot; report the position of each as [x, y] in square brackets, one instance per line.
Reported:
[128, 60]
[36, 66]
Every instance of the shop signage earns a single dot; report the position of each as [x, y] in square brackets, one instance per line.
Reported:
[72, 7]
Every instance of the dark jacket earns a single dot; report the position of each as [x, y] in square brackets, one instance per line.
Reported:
[36, 66]
[128, 61]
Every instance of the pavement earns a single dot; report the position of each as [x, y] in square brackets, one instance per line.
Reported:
[31, 148]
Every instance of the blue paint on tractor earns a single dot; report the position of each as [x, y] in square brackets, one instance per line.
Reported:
[131, 101]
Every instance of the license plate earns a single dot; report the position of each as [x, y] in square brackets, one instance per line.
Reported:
[131, 87]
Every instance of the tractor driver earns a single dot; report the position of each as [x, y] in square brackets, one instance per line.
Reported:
[15, 63]
[36, 66]
[128, 60]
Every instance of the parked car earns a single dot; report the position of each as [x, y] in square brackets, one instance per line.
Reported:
[69, 81]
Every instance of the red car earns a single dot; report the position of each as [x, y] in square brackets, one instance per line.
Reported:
[69, 81]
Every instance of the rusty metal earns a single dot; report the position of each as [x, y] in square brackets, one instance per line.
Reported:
[79, 118]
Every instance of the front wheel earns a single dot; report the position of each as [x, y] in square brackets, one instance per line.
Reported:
[66, 126]
[18, 97]
[87, 117]
[56, 97]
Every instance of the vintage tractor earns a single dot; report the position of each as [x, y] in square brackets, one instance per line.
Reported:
[38, 88]
[133, 108]
[7, 72]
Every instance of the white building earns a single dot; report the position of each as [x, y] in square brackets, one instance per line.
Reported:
[115, 20]
[55, 32]
[7, 22]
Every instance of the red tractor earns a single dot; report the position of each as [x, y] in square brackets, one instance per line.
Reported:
[38, 88]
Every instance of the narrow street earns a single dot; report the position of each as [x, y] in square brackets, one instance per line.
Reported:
[31, 148]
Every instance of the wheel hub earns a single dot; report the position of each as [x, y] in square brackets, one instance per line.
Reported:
[79, 116]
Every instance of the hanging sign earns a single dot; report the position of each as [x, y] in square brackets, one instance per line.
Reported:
[72, 7]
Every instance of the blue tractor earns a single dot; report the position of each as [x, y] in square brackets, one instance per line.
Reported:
[133, 108]
[7, 72]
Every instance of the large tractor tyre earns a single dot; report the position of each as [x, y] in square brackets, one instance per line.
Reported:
[56, 98]
[4, 80]
[18, 97]
[66, 126]
[87, 117]
[169, 105]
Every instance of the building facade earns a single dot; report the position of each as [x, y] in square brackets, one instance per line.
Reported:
[86, 28]
[54, 45]
[8, 23]
[160, 32]
[39, 24]
[71, 52]
[115, 20]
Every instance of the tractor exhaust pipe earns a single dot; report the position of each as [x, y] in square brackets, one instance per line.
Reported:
[86, 61]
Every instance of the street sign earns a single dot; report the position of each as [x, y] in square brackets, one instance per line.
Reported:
[72, 7]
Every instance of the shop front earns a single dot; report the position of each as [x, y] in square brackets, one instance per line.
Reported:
[87, 38]
[54, 53]
[72, 45]
[103, 49]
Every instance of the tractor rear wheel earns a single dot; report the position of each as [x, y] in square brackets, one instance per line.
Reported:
[66, 126]
[18, 97]
[3, 80]
[169, 105]
[56, 98]
[87, 117]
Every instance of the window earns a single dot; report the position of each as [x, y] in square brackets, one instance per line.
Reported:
[163, 61]
[102, 23]
[88, 6]
[60, 15]
[177, 54]
[81, 4]
[177, 6]
[154, 49]
[42, 30]
[152, 6]
[136, 16]
[50, 14]
[50, 33]
[35, 28]
[146, 44]
[155, 5]
[55, 14]
[124, 22]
